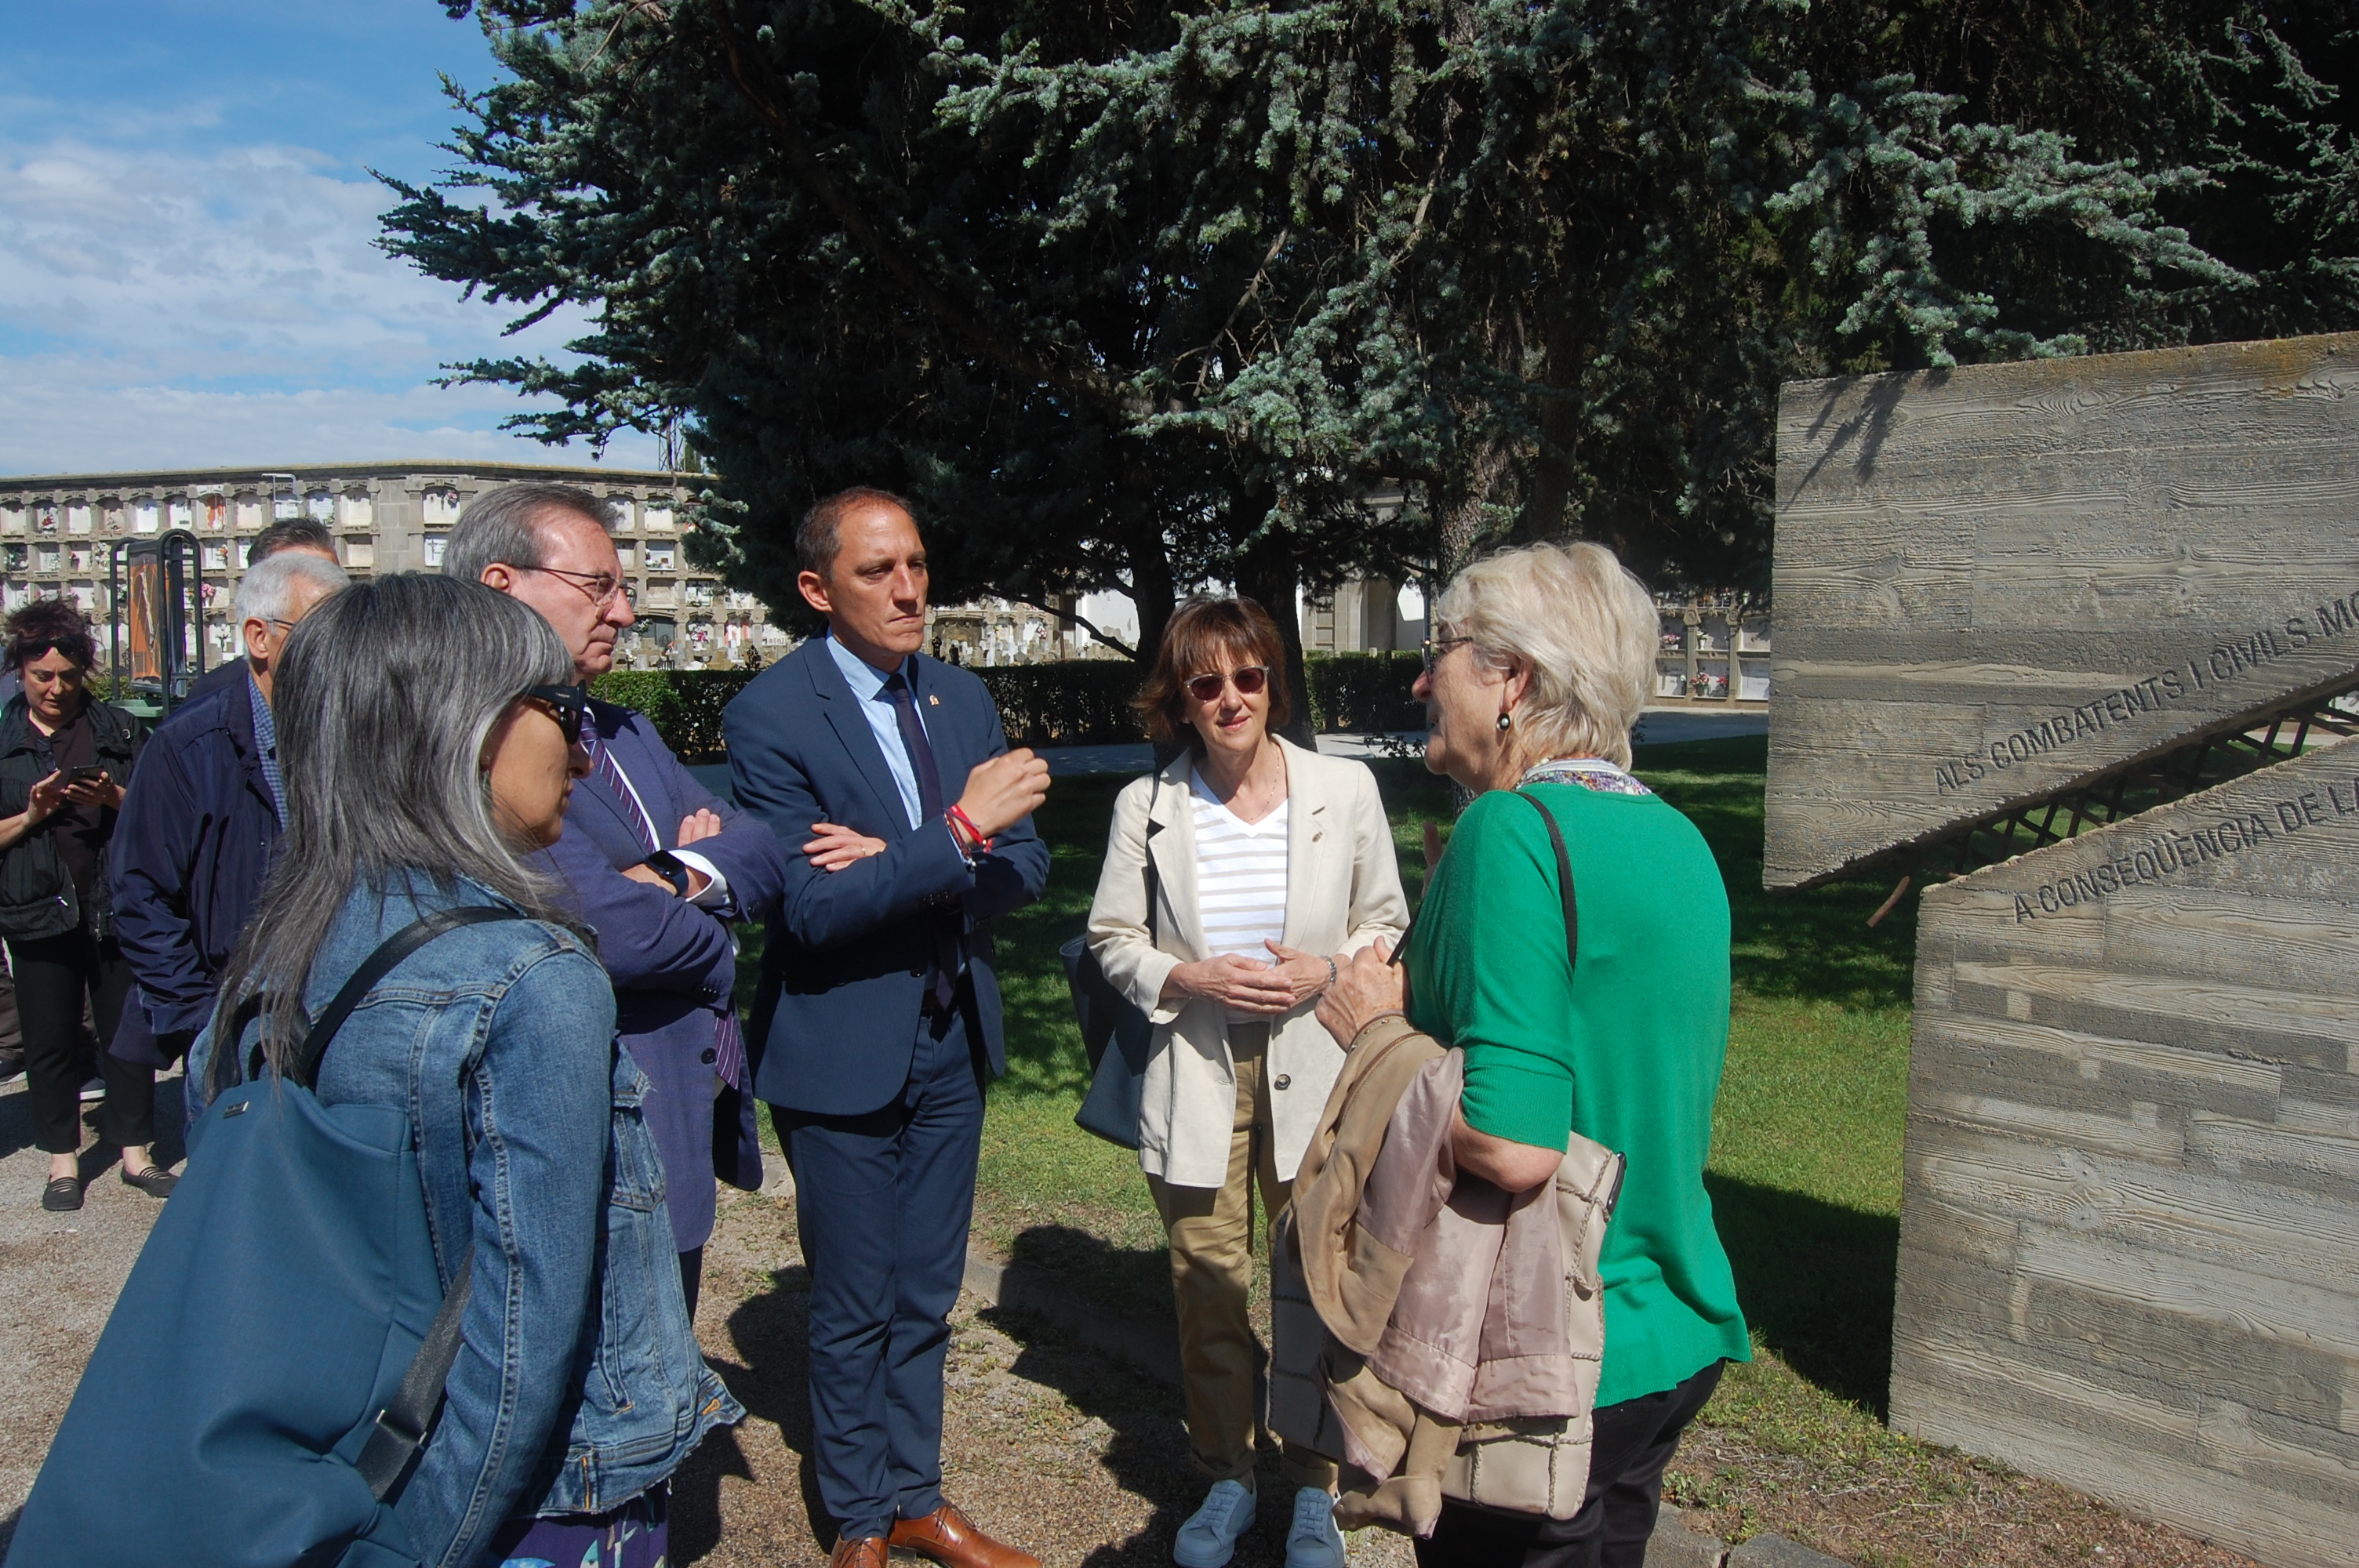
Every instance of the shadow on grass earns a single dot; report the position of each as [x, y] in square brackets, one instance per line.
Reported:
[1816, 1281]
[1148, 1453]
[1134, 1282]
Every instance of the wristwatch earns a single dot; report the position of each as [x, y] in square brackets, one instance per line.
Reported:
[670, 866]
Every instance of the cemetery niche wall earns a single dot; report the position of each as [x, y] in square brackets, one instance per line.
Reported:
[2071, 644]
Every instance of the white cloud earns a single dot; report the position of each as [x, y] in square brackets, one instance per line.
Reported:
[162, 308]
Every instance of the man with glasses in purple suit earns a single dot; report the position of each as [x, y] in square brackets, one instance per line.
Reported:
[658, 864]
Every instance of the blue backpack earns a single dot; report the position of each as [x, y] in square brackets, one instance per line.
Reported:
[280, 1346]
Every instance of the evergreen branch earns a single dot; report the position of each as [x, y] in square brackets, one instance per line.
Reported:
[1083, 381]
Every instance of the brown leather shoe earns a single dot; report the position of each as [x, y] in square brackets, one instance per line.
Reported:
[866, 1552]
[948, 1536]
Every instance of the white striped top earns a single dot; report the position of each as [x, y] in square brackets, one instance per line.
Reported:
[1240, 877]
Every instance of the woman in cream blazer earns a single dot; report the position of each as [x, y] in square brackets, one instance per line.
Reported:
[1230, 970]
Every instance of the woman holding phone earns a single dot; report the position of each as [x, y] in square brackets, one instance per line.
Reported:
[63, 762]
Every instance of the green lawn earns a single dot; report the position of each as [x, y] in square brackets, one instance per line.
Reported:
[1805, 1174]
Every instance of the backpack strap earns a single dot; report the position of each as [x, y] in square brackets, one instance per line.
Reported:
[402, 1426]
[375, 968]
[1564, 879]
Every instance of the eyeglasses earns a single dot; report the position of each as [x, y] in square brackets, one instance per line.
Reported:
[567, 704]
[600, 588]
[1436, 649]
[1249, 680]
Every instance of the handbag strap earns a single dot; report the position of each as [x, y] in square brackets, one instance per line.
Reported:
[402, 1426]
[1154, 874]
[1564, 879]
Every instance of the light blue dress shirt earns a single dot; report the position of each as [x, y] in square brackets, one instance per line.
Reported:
[867, 684]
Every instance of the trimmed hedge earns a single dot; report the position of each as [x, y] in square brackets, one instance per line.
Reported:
[684, 704]
[1365, 693]
[1080, 704]
[1084, 703]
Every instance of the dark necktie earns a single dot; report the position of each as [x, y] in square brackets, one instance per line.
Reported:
[929, 809]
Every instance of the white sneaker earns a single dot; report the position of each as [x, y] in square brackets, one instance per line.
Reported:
[1209, 1538]
[1313, 1541]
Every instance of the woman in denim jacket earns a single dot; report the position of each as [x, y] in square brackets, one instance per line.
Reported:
[428, 741]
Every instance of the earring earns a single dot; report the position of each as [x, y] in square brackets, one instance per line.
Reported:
[1506, 722]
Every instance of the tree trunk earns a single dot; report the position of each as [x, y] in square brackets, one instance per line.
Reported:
[1152, 591]
[1268, 576]
[1549, 488]
[1550, 495]
[1462, 524]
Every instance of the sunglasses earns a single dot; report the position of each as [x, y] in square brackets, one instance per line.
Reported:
[1249, 680]
[568, 704]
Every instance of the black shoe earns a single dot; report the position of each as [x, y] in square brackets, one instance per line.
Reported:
[155, 1180]
[62, 1196]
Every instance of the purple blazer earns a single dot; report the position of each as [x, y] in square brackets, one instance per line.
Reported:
[673, 964]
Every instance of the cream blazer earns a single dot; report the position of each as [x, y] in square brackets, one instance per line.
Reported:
[1342, 891]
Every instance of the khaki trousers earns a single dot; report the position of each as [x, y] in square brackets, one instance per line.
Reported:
[1212, 1276]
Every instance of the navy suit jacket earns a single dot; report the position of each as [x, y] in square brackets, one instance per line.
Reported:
[673, 964]
[185, 869]
[844, 974]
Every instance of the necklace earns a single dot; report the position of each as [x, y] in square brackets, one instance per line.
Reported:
[1589, 772]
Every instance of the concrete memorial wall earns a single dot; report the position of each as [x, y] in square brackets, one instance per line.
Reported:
[2130, 1230]
[1994, 581]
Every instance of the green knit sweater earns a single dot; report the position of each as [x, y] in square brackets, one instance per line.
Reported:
[1628, 1051]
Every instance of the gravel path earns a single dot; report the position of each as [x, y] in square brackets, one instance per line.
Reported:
[60, 1274]
[1050, 1444]
[1047, 1445]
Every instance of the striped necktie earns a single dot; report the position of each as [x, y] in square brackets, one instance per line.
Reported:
[728, 1039]
[609, 776]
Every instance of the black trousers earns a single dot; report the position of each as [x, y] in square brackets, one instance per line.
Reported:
[1634, 1441]
[54, 975]
[11, 1036]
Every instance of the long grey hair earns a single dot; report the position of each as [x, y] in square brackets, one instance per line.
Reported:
[383, 701]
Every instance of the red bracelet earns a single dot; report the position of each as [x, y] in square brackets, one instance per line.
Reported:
[962, 819]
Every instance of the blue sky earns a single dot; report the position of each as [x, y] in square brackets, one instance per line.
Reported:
[187, 272]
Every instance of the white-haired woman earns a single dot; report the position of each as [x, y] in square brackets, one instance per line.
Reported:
[1541, 661]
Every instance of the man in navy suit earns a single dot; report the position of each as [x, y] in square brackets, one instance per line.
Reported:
[658, 866]
[907, 823]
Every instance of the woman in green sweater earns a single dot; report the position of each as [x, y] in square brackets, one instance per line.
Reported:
[1539, 662]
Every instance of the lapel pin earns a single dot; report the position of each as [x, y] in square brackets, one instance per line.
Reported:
[933, 701]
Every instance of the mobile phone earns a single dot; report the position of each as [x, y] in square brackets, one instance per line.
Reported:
[85, 775]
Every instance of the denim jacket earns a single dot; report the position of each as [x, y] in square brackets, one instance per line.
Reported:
[579, 1384]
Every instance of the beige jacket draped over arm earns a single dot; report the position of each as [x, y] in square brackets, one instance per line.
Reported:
[1342, 891]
